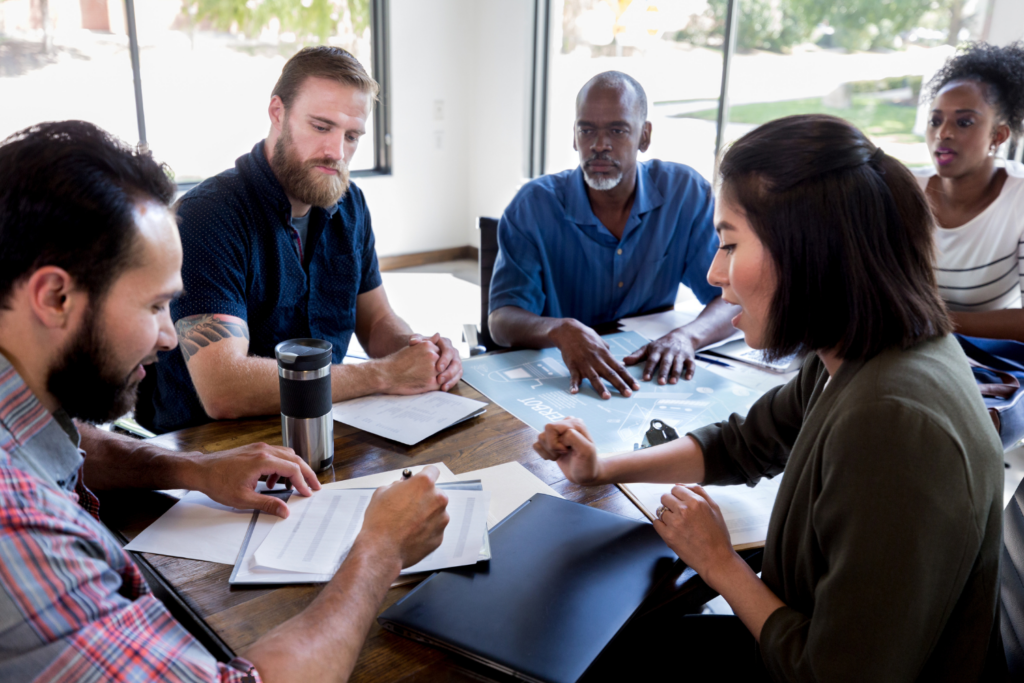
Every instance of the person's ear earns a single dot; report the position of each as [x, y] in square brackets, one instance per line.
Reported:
[645, 136]
[574, 147]
[53, 297]
[1000, 135]
[276, 111]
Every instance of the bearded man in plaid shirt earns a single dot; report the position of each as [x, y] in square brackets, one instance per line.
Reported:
[89, 259]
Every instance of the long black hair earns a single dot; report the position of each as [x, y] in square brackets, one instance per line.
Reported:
[849, 233]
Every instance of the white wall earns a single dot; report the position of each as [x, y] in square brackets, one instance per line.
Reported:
[500, 107]
[475, 57]
[1007, 22]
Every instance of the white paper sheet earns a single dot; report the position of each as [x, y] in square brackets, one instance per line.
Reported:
[250, 572]
[747, 375]
[510, 485]
[372, 481]
[464, 535]
[406, 419]
[319, 532]
[197, 528]
[657, 325]
[746, 510]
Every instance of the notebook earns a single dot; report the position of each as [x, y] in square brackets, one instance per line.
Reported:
[563, 579]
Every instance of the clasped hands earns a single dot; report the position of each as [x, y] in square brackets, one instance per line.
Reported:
[588, 357]
[691, 525]
[426, 364]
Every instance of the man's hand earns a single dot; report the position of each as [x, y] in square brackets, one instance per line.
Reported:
[570, 445]
[412, 370]
[407, 517]
[449, 365]
[230, 477]
[668, 358]
[588, 357]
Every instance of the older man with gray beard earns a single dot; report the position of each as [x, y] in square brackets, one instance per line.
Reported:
[609, 239]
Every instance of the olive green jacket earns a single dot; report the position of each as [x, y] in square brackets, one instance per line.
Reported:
[884, 540]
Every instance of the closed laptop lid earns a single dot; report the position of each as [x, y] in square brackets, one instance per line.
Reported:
[562, 581]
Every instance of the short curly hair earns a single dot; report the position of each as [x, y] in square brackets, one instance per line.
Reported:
[1001, 69]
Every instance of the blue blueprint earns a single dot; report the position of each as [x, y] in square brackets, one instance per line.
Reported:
[534, 386]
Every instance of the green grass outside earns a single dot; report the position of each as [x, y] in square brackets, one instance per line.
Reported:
[874, 117]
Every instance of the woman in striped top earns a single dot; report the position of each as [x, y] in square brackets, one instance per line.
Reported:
[977, 104]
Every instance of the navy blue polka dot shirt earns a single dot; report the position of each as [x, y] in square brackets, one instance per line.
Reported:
[243, 258]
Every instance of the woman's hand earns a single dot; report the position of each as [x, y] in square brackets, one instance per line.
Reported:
[692, 525]
[569, 444]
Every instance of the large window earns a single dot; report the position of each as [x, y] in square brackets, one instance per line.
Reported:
[863, 60]
[646, 40]
[206, 69]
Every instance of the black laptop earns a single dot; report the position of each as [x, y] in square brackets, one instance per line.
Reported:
[563, 579]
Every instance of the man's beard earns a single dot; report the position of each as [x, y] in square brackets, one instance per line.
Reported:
[601, 184]
[86, 381]
[301, 180]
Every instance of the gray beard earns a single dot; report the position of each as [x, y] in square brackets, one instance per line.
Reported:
[602, 184]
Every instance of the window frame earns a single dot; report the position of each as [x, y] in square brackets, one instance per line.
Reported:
[381, 66]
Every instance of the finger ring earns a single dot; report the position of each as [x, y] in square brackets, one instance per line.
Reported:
[661, 510]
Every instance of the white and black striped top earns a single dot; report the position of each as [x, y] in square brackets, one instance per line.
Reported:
[980, 265]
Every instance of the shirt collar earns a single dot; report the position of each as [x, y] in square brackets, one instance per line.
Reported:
[256, 167]
[50, 443]
[577, 203]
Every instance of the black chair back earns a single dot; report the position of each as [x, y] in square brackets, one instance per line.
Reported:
[488, 254]
[1011, 585]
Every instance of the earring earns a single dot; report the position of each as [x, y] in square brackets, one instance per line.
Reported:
[992, 151]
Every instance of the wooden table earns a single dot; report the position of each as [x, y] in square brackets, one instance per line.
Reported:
[239, 616]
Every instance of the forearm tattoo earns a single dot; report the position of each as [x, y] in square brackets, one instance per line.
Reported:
[199, 331]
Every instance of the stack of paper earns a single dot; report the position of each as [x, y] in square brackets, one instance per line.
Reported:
[197, 528]
[407, 419]
[320, 531]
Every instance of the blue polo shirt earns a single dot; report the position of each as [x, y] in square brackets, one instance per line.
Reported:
[556, 259]
[242, 257]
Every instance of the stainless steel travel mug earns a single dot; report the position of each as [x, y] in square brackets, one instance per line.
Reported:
[304, 373]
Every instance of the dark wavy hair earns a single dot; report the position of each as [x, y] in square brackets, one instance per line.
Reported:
[1000, 69]
[849, 233]
[67, 195]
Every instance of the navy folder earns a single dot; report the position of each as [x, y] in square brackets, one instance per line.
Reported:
[563, 579]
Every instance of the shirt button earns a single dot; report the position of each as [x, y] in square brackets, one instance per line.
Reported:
[619, 252]
[620, 284]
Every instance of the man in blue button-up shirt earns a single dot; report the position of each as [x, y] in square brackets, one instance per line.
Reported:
[610, 239]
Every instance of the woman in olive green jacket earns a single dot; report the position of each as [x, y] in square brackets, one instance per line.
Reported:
[882, 556]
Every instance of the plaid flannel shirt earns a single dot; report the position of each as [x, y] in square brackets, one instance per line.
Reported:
[73, 604]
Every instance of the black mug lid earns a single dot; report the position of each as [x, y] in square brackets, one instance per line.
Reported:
[303, 354]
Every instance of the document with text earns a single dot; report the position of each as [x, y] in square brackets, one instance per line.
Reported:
[407, 419]
[318, 534]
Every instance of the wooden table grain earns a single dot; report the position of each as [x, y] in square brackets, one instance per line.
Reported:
[239, 616]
